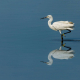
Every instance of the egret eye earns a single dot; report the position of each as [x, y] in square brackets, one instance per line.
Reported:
[47, 16]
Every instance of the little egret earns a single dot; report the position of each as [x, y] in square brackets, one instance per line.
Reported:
[60, 25]
[59, 54]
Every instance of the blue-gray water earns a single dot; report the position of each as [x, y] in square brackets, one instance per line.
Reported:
[25, 40]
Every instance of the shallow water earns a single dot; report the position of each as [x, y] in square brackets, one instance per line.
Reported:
[25, 40]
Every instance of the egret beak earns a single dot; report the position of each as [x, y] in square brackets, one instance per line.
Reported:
[43, 62]
[43, 17]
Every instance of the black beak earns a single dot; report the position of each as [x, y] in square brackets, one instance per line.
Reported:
[43, 62]
[43, 17]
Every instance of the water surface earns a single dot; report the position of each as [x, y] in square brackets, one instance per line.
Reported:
[25, 40]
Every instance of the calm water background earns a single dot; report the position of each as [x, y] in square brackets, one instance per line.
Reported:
[25, 40]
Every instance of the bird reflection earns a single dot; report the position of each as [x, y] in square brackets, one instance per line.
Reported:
[60, 54]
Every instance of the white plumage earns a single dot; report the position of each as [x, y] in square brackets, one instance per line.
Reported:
[59, 54]
[60, 25]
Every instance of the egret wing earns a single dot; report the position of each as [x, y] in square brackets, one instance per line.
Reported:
[62, 25]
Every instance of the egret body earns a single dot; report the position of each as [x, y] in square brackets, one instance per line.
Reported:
[60, 25]
[59, 54]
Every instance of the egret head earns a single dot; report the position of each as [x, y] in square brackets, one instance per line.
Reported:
[48, 16]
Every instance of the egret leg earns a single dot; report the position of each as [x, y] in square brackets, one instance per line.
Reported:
[61, 38]
[62, 42]
[69, 48]
[63, 35]
[69, 31]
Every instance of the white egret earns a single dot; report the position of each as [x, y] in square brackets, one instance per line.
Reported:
[60, 25]
[59, 54]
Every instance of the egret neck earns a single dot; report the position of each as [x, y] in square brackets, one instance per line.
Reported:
[49, 23]
[50, 59]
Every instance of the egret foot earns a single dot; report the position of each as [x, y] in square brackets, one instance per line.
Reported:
[63, 35]
[63, 45]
